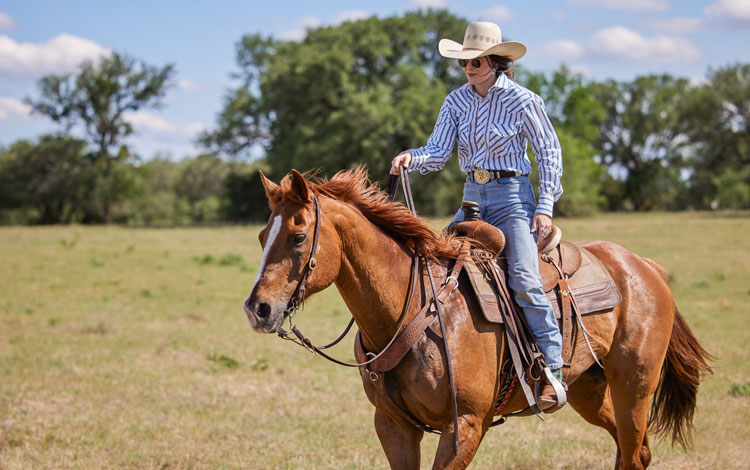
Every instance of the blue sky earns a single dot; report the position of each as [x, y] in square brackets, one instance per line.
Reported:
[601, 39]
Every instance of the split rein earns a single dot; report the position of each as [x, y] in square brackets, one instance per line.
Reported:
[439, 296]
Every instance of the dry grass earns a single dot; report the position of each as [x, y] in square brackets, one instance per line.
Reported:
[124, 348]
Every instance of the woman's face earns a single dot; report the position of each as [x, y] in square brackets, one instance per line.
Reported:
[478, 75]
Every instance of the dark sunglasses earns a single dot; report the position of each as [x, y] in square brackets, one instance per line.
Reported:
[476, 63]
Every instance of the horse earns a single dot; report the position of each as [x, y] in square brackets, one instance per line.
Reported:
[364, 245]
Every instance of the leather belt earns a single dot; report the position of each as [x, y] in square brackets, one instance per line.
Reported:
[483, 176]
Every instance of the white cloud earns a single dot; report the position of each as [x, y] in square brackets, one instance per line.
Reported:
[678, 25]
[12, 109]
[351, 15]
[61, 54]
[148, 123]
[620, 43]
[299, 31]
[497, 14]
[653, 5]
[428, 3]
[732, 10]
[562, 50]
[6, 22]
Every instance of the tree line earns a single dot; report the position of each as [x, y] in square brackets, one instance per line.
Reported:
[359, 93]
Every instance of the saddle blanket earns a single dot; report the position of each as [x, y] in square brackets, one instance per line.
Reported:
[590, 283]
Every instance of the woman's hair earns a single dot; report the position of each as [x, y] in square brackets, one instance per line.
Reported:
[503, 65]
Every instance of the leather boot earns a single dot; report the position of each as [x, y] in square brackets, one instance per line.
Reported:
[548, 398]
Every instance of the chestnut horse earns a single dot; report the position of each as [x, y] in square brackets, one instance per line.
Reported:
[365, 248]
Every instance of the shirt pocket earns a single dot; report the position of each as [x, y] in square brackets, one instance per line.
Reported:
[504, 139]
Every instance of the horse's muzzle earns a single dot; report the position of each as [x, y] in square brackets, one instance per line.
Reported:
[260, 315]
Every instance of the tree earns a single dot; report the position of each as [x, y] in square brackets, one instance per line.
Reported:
[641, 140]
[355, 93]
[97, 99]
[47, 179]
[716, 117]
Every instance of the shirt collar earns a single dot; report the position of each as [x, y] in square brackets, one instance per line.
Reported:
[502, 82]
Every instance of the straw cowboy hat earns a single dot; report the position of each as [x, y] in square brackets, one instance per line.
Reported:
[482, 38]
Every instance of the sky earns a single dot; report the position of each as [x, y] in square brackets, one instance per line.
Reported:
[601, 39]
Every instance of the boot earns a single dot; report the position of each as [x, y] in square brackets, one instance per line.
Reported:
[548, 401]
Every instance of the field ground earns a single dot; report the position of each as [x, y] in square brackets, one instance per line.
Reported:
[128, 348]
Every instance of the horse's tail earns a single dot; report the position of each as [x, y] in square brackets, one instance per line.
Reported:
[675, 398]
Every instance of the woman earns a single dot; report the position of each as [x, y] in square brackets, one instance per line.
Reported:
[493, 119]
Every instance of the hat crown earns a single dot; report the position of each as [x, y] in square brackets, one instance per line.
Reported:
[481, 35]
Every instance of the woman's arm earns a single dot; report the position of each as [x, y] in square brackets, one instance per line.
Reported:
[431, 157]
[543, 139]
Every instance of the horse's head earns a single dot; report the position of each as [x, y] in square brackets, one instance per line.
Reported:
[289, 256]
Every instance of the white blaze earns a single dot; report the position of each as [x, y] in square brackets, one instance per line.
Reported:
[275, 227]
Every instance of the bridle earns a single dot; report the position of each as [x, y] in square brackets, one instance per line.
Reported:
[299, 292]
[297, 298]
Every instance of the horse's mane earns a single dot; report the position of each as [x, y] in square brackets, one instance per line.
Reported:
[355, 188]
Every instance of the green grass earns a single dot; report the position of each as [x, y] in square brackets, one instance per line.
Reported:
[128, 348]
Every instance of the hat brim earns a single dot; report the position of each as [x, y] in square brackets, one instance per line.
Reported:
[514, 50]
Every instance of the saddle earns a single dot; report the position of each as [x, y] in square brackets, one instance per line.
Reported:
[573, 279]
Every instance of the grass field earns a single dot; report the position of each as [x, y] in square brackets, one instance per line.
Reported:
[128, 348]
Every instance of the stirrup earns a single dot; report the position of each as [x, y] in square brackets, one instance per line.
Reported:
[562, 397]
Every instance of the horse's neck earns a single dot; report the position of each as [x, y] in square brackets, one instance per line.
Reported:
[374, 277]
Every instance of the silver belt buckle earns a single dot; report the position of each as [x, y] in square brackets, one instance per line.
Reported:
[481, 176]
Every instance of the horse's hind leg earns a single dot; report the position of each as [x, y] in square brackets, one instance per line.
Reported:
[589, 396]
[400, 441]
[631, 390]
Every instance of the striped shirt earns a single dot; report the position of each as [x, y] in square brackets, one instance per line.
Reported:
[492, 133]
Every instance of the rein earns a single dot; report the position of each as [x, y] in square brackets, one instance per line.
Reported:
[298, 296]
[439, 297]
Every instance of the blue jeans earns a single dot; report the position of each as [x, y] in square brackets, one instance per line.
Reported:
[509, 204]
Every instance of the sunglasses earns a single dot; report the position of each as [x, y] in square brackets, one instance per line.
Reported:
[476, 63]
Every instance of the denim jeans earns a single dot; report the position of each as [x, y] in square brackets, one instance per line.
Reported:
[509, 204]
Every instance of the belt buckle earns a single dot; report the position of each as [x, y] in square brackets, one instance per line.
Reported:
[481, 176]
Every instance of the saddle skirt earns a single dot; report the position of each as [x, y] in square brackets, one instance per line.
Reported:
[589, 282]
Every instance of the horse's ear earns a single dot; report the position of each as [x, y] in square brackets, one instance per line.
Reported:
[299, 186]
[273, 190]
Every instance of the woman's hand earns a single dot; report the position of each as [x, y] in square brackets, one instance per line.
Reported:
[541, 223]
[402, 160]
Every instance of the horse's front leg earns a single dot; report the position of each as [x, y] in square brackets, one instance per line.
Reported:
[400, 441]
[470, 432]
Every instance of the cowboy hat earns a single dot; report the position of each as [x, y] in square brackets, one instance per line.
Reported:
[482, 38]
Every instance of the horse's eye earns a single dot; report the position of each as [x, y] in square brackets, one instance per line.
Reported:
[299, 238]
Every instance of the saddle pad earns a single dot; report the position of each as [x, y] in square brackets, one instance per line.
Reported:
[592, 288]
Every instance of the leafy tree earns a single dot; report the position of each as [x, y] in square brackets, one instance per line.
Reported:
[97, 99]
[641, 141]
[716, 117]
[47, 178]
[200, 183]
[355, 93]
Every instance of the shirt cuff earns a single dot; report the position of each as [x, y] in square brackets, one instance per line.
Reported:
[545, 204]
[418, 159]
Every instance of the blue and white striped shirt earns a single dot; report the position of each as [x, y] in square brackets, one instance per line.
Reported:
[492, 133]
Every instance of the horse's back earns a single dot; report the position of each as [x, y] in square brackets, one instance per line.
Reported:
[646, 312]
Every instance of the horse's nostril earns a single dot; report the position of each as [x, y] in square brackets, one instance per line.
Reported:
[263, 310]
